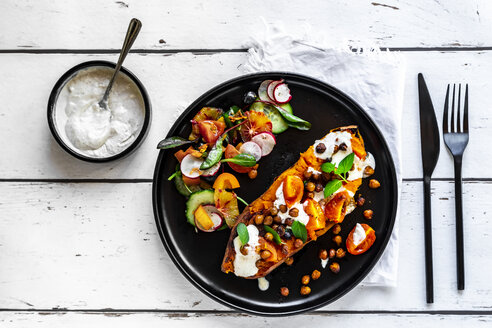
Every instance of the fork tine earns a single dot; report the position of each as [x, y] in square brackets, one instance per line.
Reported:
[445, 118]
[465, 113]
[452, 111]
[458, 120]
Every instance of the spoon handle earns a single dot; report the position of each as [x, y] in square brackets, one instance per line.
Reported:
[131, 35]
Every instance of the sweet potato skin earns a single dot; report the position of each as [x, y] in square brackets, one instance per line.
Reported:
[307, 159]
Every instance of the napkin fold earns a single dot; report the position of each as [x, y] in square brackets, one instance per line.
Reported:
[373, 78]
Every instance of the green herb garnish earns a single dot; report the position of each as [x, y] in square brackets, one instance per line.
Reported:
[173, 142]
[172, 176]
[276, 237]
[242, 232]
[242, 200]
[214, 155]
[299, 230]
[245, 160]
[343, 167]
[331, 187]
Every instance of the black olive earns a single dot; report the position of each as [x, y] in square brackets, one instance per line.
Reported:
[249, 97]
[343, 146]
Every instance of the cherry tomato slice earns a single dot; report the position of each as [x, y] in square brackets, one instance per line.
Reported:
[365, 244]
[211, 130]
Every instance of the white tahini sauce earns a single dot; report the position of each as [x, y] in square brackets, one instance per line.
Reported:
[302, 217]
[245, 265]
[263, 284]
[336, 139]
[91, 130]
[359, 234]
[324, 263]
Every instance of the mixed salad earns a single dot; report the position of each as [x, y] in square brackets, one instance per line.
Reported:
[240, 137]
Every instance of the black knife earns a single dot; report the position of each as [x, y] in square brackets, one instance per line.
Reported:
[429, 141]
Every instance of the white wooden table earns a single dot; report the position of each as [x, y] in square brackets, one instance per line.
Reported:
[78, 243]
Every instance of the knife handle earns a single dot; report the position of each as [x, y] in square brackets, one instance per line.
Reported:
[429, 276]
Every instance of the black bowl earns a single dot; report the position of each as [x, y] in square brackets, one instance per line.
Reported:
[54, 97]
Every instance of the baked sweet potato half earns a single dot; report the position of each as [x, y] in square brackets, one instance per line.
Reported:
[292, 198]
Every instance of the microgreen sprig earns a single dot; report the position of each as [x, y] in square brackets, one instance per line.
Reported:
[341, 171]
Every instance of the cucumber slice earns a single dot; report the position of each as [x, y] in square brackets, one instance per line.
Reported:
[182, 188]
[278, 123]
[198, 198]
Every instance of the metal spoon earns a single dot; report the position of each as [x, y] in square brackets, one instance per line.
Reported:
[131, 35]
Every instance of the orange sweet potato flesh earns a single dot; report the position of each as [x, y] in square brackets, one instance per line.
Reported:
[265, 201]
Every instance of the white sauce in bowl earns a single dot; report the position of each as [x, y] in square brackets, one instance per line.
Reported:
[90, 130]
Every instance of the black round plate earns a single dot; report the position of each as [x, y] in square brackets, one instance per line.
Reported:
[199, 255]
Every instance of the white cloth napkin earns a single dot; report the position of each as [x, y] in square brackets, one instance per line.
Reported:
[373, 78]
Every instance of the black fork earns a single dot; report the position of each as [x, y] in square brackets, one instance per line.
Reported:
[456, 140]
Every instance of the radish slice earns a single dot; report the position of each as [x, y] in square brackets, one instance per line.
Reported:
[281, 93]
[266, 141]
[262, 91]
[211, 171]
[271, 88]
[251, 148]
[190, 166]
[214, 215]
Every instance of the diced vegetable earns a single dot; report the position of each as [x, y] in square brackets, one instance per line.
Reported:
[190, 166]
[231, 152]
[266, 141]
[203, 197]
[226, 202]
[206, 113]
[293, 190]
[183, 189]
[316, 217]
[226, 181]
[281, 93]
[211, 130]
[208, 218]
[251, 148]
[262, 91]
[365, 244]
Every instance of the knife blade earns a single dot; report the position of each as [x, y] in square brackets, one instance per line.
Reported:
[430, 147]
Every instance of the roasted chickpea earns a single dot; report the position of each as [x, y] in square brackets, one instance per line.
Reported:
[305, 280]
[360, 201]
[273, 211]
[268, 236]
[316, 176]
[265, 254]
[319, 187]
[243, 250]
[336, 229]
[275, 226]
[332, 253]
[320, 148]
[307, 174]
[338, 240]
[289, 261]
[280, 230]
[368, 214]
[310, 195]
[284, 291]
[283, 208]
[323, 254]
[310, 186]
[368, 171]
[340, 253]
[252, 174]
[335, 267]
[285, 249]
[374, 184]
[298, 243]
[315, 275]
[277, 219]
[259, 219]
[268, 220]
[294, 212]
[305, 290]
[343, 146]
[289, 221]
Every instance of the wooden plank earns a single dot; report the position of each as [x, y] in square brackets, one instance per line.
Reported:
[95, 246]
[174, 81]
[177, 320]
[214, 25]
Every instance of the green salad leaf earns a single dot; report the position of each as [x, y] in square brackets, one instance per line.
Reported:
[173, 142]
[245, 160]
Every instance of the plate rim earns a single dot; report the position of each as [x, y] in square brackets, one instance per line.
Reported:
[341, 97]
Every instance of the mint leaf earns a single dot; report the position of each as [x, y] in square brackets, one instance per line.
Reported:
[331, 187]
[345, 164]
[242, 232]
[299, 230]
[328, 167]
[276, 237]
